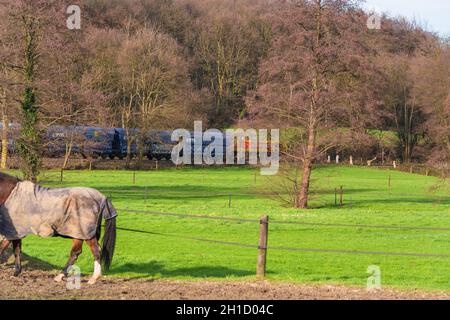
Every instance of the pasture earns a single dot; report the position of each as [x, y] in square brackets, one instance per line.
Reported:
[172, 247]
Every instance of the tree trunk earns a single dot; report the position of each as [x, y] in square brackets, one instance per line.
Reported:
[312, 122]
[128, 155]
[29, 142]
[141, 151]
[4, 142]
[406, 152]
[307, 167]
[69, 146]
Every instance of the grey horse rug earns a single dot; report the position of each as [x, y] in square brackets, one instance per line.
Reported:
[69, 212]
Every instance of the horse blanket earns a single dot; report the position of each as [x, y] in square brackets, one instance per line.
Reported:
[69, 212]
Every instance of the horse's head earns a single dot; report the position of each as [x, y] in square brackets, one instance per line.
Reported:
[7, 184]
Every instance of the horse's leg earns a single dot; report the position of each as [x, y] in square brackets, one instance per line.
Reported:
[77, 248]
[3, 246]
[95, 249]
[17, 247]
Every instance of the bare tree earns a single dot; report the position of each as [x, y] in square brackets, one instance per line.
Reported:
[32, 38]
[432, 91]
[303, 79]
[155, 81]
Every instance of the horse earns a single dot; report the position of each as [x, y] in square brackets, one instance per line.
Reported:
[74, 213]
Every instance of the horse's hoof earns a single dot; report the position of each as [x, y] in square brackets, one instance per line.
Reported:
[92, 281]
[59, 278]
[17, 271]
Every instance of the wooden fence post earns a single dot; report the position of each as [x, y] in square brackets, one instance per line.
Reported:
[262, 247]
[335, 197]
[134, 174]
[62, 175]
[341, 196]
[389, 183]
[229, 200]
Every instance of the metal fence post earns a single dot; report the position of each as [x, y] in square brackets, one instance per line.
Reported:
[262, 247]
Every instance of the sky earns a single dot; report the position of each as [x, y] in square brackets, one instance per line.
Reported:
[434, 15]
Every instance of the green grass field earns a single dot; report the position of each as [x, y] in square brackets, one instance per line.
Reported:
[165, 248]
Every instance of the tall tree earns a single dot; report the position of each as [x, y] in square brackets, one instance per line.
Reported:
[155, 83]
[30, 139]
[432, 89]
[31, 26]
[302, 82]
[226, 62]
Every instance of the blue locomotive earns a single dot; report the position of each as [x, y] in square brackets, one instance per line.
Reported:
[97, 142]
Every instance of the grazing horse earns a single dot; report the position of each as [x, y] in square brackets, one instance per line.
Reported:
[75, 213]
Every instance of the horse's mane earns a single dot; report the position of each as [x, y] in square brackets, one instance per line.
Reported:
[7, 184]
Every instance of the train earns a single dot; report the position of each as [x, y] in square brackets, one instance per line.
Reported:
[97, 142]
[112, 143]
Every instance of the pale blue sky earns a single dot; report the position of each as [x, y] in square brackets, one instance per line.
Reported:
[432, 14]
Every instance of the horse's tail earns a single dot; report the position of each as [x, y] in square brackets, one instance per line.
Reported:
[109, 238]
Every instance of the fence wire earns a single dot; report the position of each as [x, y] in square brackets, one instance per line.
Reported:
[180, 215]
[338, 225]
[384, 253]
[284, 248]
[142, 191]
[229, 243]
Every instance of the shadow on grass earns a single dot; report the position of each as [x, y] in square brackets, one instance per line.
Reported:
[155, 268]
[181, 193]
[195, 191]
[145, 269]
[29, 262]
